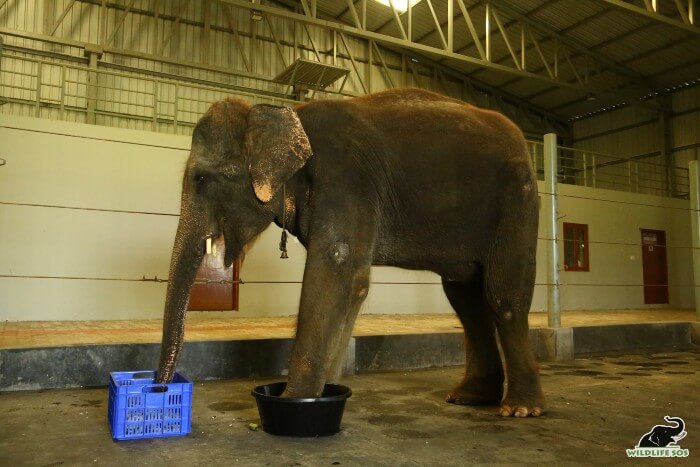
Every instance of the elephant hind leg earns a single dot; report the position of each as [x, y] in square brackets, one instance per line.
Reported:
[509, 278]
[483, 380]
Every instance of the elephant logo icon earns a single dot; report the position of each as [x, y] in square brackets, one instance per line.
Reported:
[662, 440]
[662, 436]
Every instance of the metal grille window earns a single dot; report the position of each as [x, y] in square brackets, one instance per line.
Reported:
[576, 247]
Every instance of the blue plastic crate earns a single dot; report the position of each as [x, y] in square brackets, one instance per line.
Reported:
[140, 408]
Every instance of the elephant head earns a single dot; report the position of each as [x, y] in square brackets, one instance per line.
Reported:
[241, 156]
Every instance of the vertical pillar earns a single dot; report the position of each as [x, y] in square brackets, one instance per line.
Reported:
[1, 55]
[551, 214]
[206, 31]
[93, 53]
[370, 65]
[665, 146]
[694, 176]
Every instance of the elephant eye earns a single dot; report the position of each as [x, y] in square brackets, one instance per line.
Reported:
[201, 181]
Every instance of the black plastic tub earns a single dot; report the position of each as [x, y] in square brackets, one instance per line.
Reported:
[320, 416]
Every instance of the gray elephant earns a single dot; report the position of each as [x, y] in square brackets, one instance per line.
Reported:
[663, 435]
[406, 178]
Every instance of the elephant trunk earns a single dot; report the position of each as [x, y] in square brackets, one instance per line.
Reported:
[188, 251]
[678, 421]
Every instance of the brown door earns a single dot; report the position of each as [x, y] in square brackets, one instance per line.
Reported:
[655, 266]
[215, 295]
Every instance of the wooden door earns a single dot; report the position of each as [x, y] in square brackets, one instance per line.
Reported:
[215, 296]
[655, 266]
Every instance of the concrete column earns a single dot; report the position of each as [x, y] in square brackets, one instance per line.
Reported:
[551, 214]
[694, 175]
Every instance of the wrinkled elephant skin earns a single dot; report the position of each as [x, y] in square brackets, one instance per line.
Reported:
[406, 178]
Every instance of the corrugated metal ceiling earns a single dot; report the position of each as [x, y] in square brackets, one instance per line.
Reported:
[658, 54]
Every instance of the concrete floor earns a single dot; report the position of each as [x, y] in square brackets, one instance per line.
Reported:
[598, 407]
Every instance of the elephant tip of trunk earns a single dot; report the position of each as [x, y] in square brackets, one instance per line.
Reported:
[164, 376]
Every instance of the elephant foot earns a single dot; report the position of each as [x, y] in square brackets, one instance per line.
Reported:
[522, 405]
[477, 392]
[520, 410]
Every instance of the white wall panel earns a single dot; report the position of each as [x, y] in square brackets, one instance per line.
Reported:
[60, 163]
[95, 168]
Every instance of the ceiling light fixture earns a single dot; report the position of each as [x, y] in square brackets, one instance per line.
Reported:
[400, 5]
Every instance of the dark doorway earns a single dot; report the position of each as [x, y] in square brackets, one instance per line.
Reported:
[215, 295]
[655, 266]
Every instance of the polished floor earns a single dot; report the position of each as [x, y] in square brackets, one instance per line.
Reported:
[597, 408]
[32, 334]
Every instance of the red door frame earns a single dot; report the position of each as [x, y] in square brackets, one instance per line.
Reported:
[655, 293]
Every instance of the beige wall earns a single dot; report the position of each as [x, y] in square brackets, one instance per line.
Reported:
[614, 221]
[131, 180]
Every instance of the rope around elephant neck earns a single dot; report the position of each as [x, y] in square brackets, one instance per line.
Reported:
[283, 240]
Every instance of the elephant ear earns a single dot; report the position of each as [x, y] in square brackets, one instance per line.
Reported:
[277, 148]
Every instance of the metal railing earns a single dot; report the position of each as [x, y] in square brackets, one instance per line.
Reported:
[597, 170]
[63, 91]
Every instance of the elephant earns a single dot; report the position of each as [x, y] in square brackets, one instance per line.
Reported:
[663, 435]
[406, 178]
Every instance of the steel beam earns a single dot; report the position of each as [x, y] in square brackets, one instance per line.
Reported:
[174, 27]
[61, 18]
[397, 18]
[239, 44]
[384, 40]
[654, 15]
[206, 31]
[384, 67]
[277, 43]
[454, 75]
[636, 85]
[438, 28]
[392, 41]
[507, 7]
[311, 41]
[506, 39]
[119, 24]
[352, 60]
[472, 30]
[556, 121]
[355, 16]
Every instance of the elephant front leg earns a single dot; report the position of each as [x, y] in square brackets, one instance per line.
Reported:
[336, 282]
